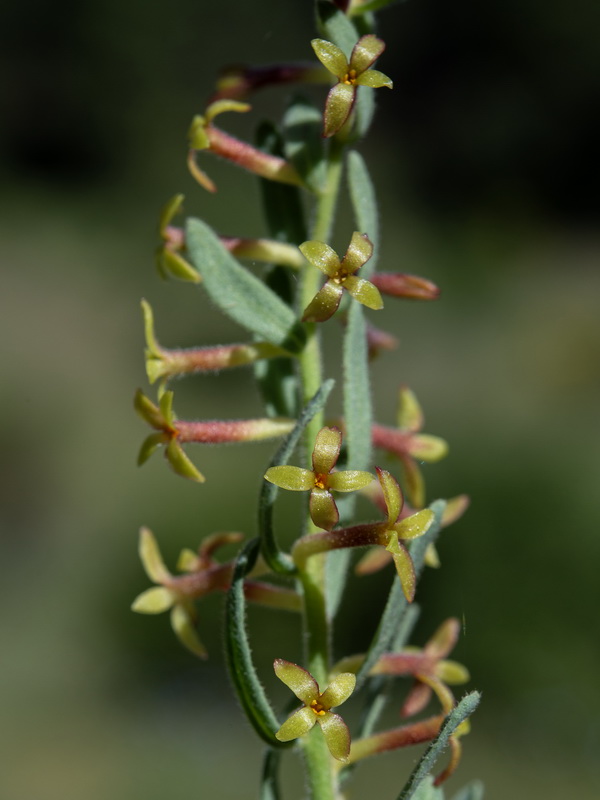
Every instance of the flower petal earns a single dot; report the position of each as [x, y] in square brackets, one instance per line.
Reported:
[294, 479]
[349, 480]
[424, 447]
[336, 735]
[365, 52]
[153, 601]
[328, 443]
[181, 464]
[374, 560]
[452, 672]
[339, 690]
[364, 291]
[374, 79]
[338, 106]
[415, 525]
[455, 508]
[184, 629]
[443, 693]
[410, 414]
[392, 494]
[321, 256]
[323, 510]
[358, 253]
[299, 723]
[414, 482]
[432, 557]
[151, 558]
[299, 680]
[444, 639]
[404, 567]
[330, 56]
[149, 445]
[416, 699]
[324, 304]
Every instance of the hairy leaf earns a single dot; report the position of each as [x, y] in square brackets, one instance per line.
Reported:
[241, 667]
[364, 204]
[238, 293]
[457, 716]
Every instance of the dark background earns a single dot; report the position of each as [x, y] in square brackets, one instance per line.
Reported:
[484, 159]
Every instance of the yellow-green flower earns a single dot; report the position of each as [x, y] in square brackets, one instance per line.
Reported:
[351, 74]
[321, 481]
[317, 707]
[177, 593]
[340, 276]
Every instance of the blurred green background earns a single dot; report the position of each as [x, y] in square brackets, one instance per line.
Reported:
[484, 158]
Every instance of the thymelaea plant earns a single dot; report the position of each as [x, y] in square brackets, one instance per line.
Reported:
[327, 453]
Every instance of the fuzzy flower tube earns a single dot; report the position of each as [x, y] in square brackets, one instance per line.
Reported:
[361, 482]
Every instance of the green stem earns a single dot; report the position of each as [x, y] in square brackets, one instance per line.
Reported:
[310, 358]
[317, 635]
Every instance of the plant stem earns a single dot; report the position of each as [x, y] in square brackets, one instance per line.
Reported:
[317, 638]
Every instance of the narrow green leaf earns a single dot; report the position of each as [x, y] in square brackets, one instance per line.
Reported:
[276, 558]
[364, 109]
[335, 26]
[357, 391]
[357, 439]
[364, 204]
[458, 715]
[302, 125]
[238, 293]
[472, 791]
[243, 674]
[269, 779]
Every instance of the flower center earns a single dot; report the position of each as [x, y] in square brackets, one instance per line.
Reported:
[350, 77]
[317, 708]
[320, 480]
[340, 278]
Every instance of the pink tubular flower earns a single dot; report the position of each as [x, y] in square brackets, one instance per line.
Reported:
[203, 135]
[172, 432]
[391, 534]
[410, 445]
[411, 287]
[238, 81]
[202, 575]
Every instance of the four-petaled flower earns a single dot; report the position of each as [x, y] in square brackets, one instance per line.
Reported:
[340, 276]
[177, 593]
[321, 480]
[317, 707]
[431, 670]
[350, 74]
